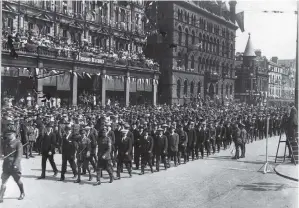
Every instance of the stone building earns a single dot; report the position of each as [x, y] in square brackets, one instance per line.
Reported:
[195, 49]
[110, 63]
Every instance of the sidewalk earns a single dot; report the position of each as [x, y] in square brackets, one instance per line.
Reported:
[288, 170]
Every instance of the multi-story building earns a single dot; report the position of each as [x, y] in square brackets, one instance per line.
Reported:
[275, 79]
[252, 76]
[289, 67]
[89, 45]
[195, 49]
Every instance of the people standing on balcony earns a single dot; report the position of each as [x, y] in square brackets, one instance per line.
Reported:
[10, 44]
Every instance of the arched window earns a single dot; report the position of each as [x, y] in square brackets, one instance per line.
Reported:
[193, 37]
[199, 64]
[187, 37]
[192, 62]
[217, 47]
[231, 90]
[223, 48]
[198, 87]
[231, 71]
[185, 87]
[204, 42]
[216, 89]
[178, 88]
[186, 61]
[192, 88]
[180, 35]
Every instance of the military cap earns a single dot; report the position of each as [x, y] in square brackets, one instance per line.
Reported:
[126, 125]
[124, 131]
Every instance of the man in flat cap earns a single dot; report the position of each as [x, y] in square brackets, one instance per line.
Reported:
[69, 147]
[48, 145]
[173, 146]
[191, 132]
[137, 146]
[146, 150]
[124, 153]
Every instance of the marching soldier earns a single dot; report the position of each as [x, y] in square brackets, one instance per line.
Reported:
[13, 151]
[137, 150]
[237, 140]
[124, 153]
[104, 156]
[183, 141]
[161, 149]
[69, 146]
[153, 134]
[146, 150]
[205, 139]
[243, 139]
[48, 144]
[83, 155]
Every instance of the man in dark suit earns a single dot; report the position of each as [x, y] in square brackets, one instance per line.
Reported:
[137, 145]
[24, 137]
[204, 139]
[146, 150]
[48, 144]
[69, 146]
[173, 146]
[191, 140]
[124, 153]
[161, 149]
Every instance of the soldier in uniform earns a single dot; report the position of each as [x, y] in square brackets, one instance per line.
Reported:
[205, 137]
[161, 149]
[154, 136]
[146, 150]
[183, 141]
[124, 153]
[93, 146]
[261, 127]
[48, 144]
[69, 147]
[24, 137]
[13, 151]
[83, 154]
[243, 139]
[104, 156]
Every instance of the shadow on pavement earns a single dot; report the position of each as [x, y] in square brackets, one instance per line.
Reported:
[264, 186]
[228, 158]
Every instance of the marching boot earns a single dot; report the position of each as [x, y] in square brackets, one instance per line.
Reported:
[98, 178]
[79, 176]
[22, 196]
[110, 172]
[2, 191]
[152, 170]
[142, 171]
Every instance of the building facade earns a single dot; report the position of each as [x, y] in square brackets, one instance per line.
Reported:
[195, 50]
[89, 46]
[252, 76]
[281, 80]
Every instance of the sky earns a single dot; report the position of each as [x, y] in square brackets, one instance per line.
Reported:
[274, 34]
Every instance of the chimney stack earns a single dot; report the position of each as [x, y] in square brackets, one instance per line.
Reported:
[232, 10]
[274, 59]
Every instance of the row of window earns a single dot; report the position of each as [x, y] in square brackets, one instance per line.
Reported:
[228, 88]
[204, 24]
[206, 43]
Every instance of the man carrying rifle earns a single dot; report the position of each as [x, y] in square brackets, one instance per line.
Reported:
[13, 151]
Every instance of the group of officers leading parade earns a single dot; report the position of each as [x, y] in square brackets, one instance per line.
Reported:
[106, 145]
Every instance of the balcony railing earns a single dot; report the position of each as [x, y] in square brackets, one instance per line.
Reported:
[43, 51]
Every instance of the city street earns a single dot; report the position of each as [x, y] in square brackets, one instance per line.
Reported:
[214, 182]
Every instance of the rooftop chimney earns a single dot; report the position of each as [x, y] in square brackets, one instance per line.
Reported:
[232, 10]
[274, 59]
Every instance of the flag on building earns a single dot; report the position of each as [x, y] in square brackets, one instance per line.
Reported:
[240, 20]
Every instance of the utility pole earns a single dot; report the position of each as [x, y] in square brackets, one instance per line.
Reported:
[297, 60]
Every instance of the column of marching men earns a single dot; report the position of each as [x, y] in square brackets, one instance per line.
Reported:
[118, 138]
